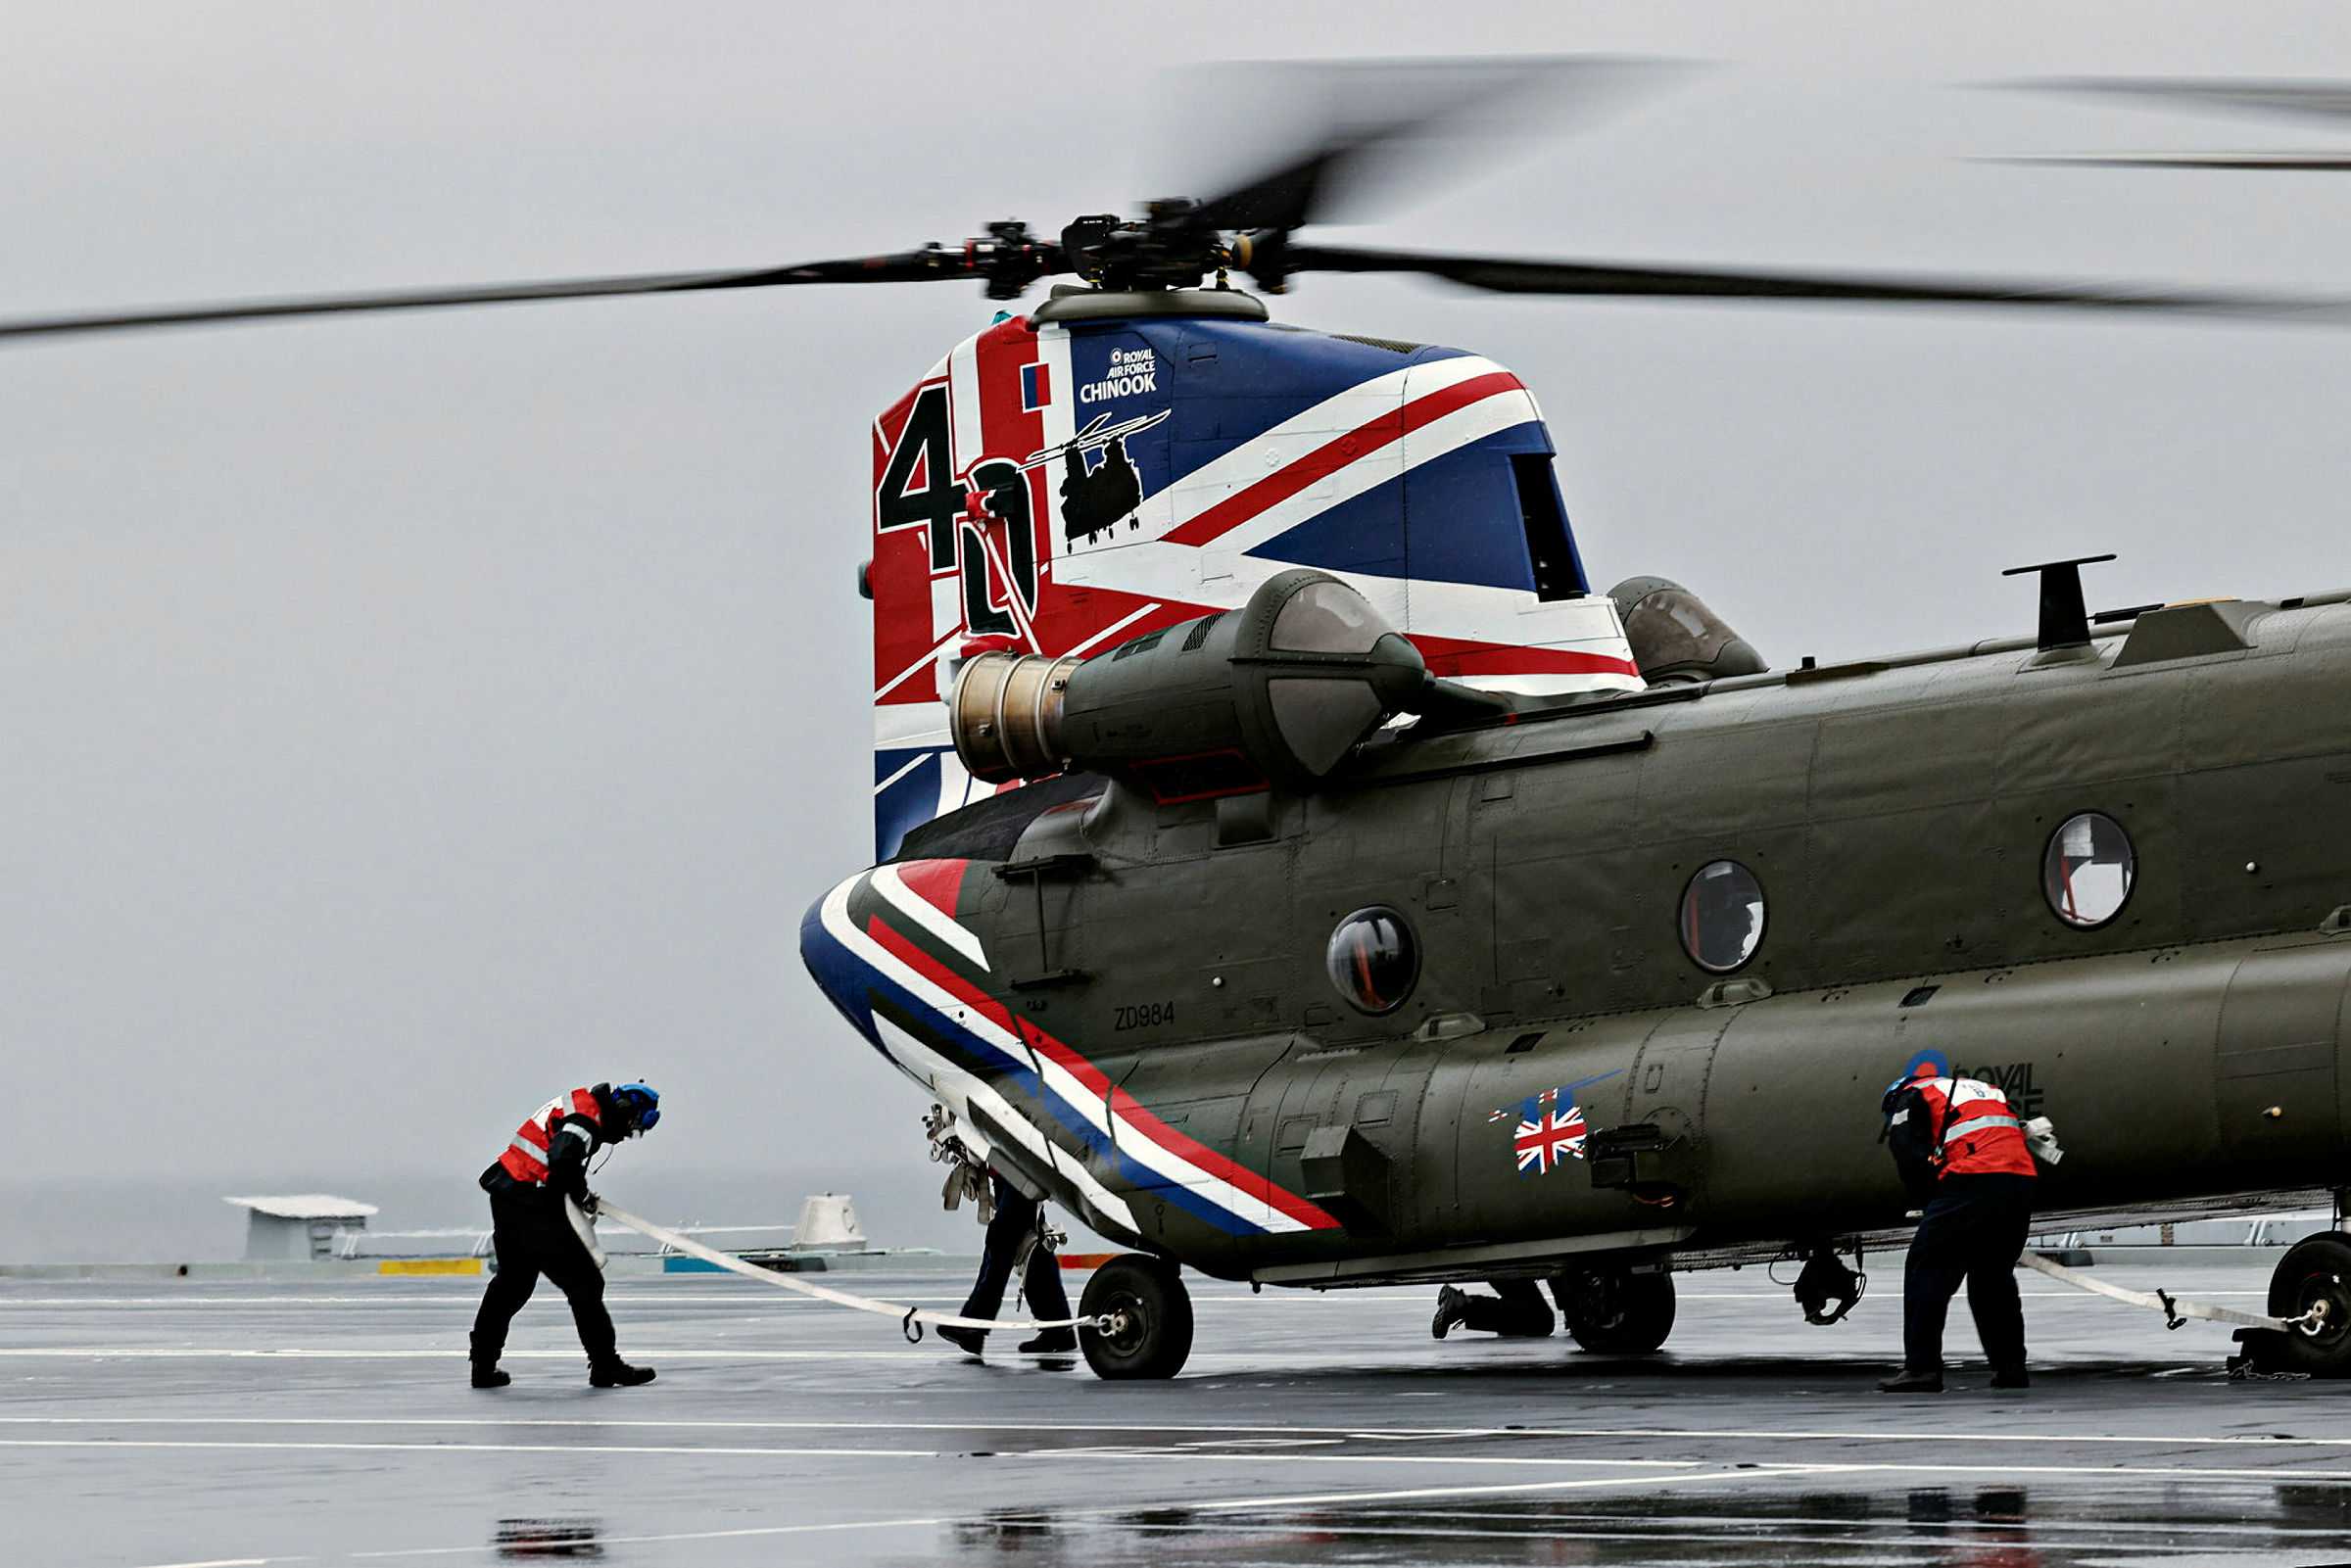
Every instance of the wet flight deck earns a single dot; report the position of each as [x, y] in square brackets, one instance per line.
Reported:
[330, 1423]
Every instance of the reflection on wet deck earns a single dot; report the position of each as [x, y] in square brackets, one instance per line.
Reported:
[1927, 1527]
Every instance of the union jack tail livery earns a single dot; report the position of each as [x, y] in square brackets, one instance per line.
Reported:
[1064, 482]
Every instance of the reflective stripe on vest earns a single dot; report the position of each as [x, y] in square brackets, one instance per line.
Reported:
[525, 1158]
[1978, 1125]
[1982, 1135]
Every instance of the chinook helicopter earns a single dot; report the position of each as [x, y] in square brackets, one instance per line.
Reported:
[1288, 863]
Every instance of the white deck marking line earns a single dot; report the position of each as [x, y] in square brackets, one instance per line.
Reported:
[748, 1532]
[228, 1563]
[704, 1291]
[470, 1447]
[182, 1353]
[1680, 1469]
[2104, 1472]
[1254, 1456]
[466, 1303]
[1171, 1429]
[731, 1300]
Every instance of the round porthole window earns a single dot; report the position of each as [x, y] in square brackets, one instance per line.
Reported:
[2087, 869]
[1722, 915]
[1373, 960]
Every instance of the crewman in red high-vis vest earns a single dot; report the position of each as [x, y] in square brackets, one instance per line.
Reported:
[1961, 1149]
[538, 1199]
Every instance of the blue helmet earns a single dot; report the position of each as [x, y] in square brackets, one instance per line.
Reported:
[641, 1101]
[1914, 1073]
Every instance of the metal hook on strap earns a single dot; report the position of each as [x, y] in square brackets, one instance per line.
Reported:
[910, 1328]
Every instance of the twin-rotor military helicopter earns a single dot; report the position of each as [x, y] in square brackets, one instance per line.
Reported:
[1290, 865]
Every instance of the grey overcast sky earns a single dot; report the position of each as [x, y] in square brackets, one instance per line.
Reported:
[402, 718]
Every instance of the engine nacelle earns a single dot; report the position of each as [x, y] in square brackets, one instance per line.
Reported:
[1275, 693]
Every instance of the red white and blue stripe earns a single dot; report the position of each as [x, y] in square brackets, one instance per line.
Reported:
[889, 952]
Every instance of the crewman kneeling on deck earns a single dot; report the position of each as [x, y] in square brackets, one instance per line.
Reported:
[1016, 1238]
[1516, 1310]
[539, 1207]
[1962, 1151]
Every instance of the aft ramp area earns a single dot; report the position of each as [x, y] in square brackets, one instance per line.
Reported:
[328, 1422]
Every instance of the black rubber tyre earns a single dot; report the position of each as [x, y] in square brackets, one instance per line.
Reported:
[1612, 1313]
[1156, 1336]
[2315, 1271]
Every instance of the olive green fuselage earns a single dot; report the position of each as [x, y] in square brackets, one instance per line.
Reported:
[1895, 816]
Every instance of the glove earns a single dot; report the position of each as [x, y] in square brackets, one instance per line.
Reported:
[589, 1203]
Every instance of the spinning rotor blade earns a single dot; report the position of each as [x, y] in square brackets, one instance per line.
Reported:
[1599, 280]
[1366, 124]
[2327, 101]
[935, 264]
[2298, 100]
[2275, 163]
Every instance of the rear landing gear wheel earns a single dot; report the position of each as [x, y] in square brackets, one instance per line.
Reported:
[1151, 1332]
[2315, 1274]
[1613, 1313]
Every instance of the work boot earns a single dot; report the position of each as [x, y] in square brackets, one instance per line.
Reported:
[486, 1374]
[1052, 1342]
[1911, 1381]
[1453, 1307]
[618, 1375]
[2010, 1377]
[967, 1340]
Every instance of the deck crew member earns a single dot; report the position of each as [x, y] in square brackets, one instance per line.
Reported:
[1017, 1217]
[1516, 1310]
[537, 1186]
[1962, 1151]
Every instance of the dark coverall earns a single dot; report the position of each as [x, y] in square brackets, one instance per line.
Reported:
[1516, 1310]
[1973, 1229]
[534, 1237]
[1017, 1215]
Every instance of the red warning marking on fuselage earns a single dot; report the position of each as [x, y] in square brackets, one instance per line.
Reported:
[938, 883]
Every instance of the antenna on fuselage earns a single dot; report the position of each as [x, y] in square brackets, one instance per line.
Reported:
[2064, 617]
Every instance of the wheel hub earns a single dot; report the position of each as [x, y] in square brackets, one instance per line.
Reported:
[2325, 1309]
[1122, 1331]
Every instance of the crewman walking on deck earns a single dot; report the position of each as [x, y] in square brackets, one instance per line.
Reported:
[1016, 1238]
[539, 1208]
[1961, 1151]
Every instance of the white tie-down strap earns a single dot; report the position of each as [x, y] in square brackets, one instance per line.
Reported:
[2173, 1308]
[907, 1316]
[584, 1228]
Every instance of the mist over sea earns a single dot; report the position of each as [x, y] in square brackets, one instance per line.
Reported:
[184, 1220]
